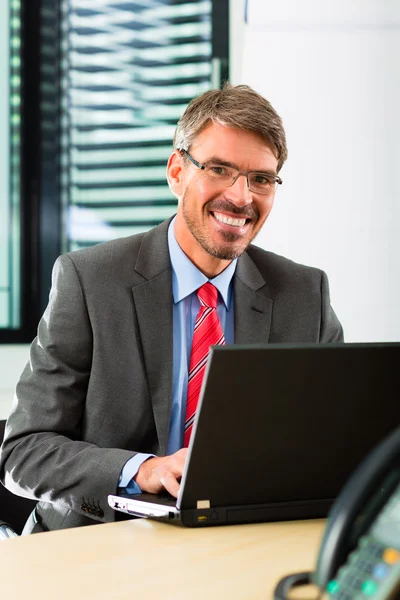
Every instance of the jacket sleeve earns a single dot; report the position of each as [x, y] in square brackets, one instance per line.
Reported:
[43, 456]
[330, 330]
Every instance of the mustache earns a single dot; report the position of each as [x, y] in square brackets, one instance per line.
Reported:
[248, 212]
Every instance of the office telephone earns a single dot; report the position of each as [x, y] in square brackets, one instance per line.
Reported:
[359, 556]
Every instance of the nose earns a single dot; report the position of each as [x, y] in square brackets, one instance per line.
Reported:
[239, 193]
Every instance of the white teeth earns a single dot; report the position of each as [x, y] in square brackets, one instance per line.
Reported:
[229, 221]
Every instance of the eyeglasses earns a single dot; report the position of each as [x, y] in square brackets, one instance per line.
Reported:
[225, 176]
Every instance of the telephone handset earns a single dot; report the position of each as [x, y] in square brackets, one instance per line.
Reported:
[360, 551]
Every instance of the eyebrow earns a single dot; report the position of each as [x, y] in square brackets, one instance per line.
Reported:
[226, 163]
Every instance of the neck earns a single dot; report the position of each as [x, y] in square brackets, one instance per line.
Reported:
[210, 268]
[209, 265]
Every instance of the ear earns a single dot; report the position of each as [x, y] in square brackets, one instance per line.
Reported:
[176, 174]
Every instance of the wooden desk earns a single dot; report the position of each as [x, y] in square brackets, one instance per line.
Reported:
[149, 560]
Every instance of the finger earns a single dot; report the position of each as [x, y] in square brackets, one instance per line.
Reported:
[179, 460]
[182, 452]
[170, 483]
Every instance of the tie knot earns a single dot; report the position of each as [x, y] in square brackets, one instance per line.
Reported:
[208, 295]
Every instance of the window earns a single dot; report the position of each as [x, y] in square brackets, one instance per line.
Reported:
[129, 71]
[95, 91]
[10, 101]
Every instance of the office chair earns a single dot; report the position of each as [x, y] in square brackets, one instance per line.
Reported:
[14, 510]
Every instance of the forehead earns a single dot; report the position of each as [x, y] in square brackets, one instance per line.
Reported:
[246, 149]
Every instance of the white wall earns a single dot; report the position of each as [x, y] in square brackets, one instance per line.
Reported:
[331, 71]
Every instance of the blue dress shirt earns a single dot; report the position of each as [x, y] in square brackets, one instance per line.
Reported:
[186, 280]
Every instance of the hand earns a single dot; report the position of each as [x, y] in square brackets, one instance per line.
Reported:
[159, 473]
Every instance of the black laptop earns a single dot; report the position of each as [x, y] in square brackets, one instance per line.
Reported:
[278, 431]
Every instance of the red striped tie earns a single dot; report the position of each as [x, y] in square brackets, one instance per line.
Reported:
[207, 332]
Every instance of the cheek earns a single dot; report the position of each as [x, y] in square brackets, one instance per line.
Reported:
[202, 186]
[201, 192]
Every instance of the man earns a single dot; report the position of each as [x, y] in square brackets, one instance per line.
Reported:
[102, 403]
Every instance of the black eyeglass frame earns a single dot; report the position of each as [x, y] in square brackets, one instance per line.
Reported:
[196, 163]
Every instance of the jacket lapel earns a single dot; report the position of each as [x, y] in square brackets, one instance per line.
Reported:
[152, 296]
[153, 302]
[253, 308]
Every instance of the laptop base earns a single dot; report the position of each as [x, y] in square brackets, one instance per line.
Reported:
[227, 515]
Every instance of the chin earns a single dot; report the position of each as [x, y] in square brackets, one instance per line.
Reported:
[228, 252]
[232, 247]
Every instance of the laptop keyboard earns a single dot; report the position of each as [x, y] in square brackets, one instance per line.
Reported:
[163, 498]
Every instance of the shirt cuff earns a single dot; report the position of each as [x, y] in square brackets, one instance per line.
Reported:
[129, 471]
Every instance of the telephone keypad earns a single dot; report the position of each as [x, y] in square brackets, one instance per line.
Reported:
[343, 596]
[369, 567]
[365, 566]
[391, 556]
[380, 571]
[374, 566]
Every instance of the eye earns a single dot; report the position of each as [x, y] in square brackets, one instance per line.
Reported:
[218, 170]
[261, 179]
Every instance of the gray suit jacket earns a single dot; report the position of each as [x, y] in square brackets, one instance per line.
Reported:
[98, 385]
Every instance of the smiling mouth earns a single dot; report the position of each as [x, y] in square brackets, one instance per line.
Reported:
[230, 220]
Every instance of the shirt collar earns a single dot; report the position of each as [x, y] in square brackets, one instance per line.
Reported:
[186, 277]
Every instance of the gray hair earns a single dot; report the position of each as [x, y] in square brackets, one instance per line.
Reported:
[237, 106]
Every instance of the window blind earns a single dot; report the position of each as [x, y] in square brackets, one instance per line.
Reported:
[10, 114]
[129, 69]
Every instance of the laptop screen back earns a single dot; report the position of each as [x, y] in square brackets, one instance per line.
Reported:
[279, 423]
